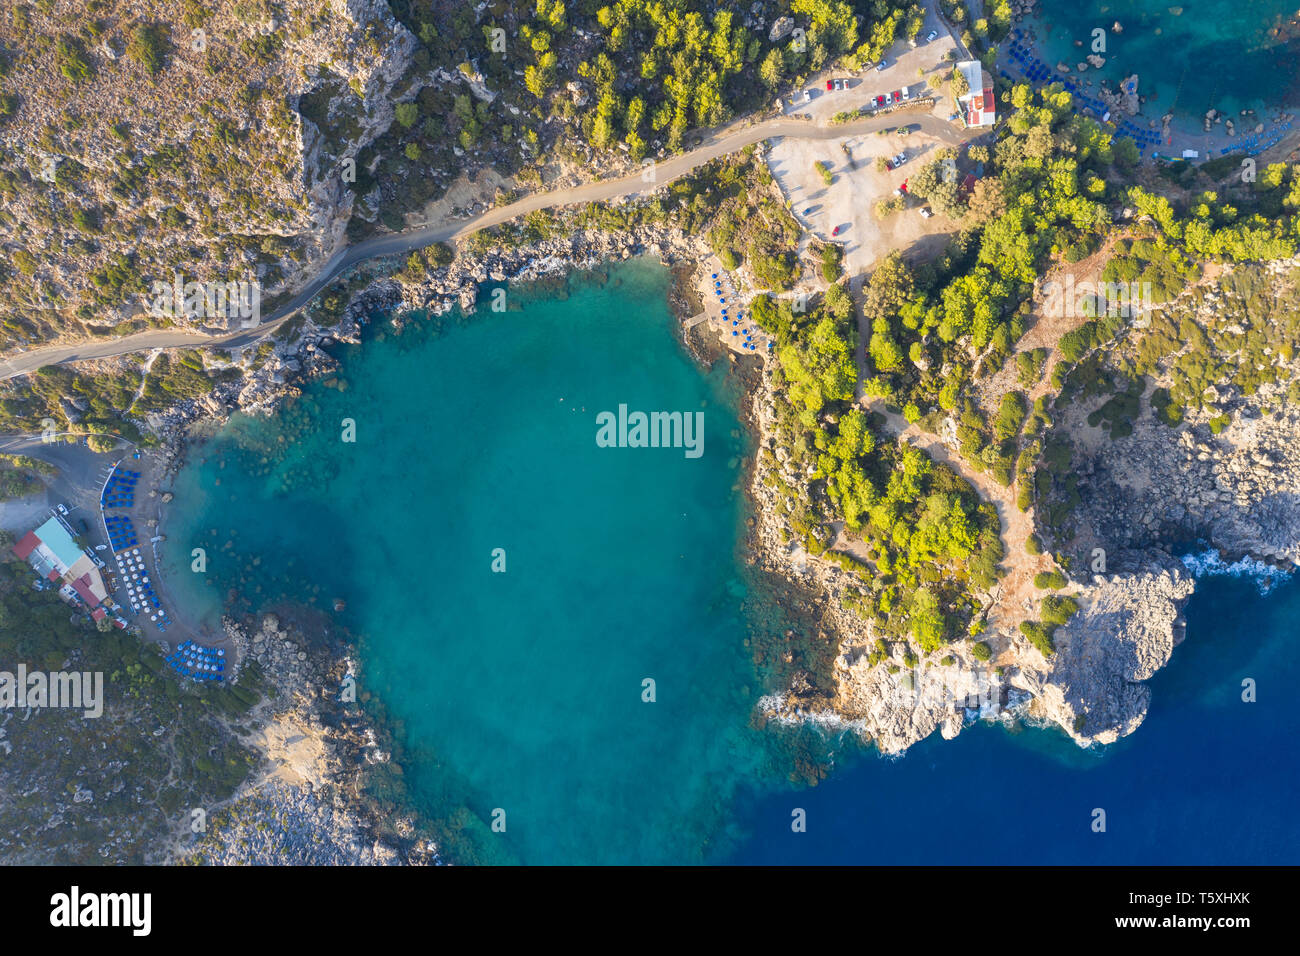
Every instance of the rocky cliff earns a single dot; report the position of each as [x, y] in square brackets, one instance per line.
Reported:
[1125, 630]
[301, 806]
[181, 139]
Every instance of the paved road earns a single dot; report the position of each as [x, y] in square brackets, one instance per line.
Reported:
[726, 140]
[78, 483]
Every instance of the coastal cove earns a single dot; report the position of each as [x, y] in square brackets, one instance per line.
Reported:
[524, 690]
[1191, 58]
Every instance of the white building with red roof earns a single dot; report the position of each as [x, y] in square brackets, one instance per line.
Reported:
[54, 555]
[978, 105]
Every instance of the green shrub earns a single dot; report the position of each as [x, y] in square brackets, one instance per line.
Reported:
[148, 46]
[1058, 609]
[832, 257]
[72, 60]
[1039, 636]
[1050, 580]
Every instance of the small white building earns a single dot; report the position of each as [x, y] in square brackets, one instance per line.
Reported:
[978, 106]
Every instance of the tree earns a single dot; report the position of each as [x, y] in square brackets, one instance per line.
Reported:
[986, 202]
[602, 127]
[406, 114]
[884, 350]
[1011, 415]
[772, 70]
[890, 286]
[540, 78]
[1039, 636]
[820, 369]
[937, 182]
[959, 85]
[927, 620]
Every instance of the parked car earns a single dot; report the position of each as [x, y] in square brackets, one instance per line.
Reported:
[931, 36]
[925, 212]
[807, 95]
[835, 231]
[839, 84]
[829, 86]
[880, 101]
[880, 67]
[63, 509]
[900, 159]
[889, 164]
[897, 96]
[100, 547]
[902, 189]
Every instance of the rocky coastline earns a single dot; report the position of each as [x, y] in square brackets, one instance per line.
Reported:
[1231, 492]
[1092, 688]
[303, 805]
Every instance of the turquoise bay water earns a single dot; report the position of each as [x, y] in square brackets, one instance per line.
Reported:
[1191, 57]
[523, 690]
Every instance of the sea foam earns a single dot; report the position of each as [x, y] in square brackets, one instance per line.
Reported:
[1211, 564]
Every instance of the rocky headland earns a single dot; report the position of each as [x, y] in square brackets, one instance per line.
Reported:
[302, 806]
[1224, 482]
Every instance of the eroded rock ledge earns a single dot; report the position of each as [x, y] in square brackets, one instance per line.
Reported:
[1125, 630]
[300, 807]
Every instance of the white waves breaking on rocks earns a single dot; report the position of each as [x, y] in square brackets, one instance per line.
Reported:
[1211, 564]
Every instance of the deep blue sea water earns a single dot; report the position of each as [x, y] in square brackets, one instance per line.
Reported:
[522, 691]
[1206, 779]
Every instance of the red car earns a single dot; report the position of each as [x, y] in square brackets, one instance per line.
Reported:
[897, 95]
[835, 231]
[829, 86]
[880, 101]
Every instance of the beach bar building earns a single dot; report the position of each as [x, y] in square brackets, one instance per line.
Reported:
[978, 105]
[55, 557]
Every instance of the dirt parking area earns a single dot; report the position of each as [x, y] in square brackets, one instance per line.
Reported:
[905, 66]
[845, 211]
